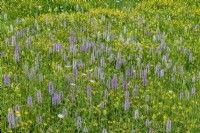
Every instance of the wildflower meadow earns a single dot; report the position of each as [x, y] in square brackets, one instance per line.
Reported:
[125, 66]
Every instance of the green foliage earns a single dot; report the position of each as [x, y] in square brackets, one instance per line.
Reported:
[83, 21]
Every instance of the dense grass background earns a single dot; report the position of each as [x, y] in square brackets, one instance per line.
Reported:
[170, 28]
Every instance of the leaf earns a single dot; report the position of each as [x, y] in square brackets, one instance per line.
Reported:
[41, 131]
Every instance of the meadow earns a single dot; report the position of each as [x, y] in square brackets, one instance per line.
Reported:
[100, 66]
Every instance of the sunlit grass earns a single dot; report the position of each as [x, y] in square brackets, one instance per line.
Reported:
[100, 67]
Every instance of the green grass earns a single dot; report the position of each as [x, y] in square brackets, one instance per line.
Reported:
[84, 21]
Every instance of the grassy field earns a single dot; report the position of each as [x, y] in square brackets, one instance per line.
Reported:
[109, 67]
